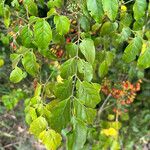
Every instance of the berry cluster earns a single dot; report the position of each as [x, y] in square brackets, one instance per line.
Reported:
[124, 93]
[72, 35]
[57, 50]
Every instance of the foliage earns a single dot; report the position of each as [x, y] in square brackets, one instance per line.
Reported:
[82, 69]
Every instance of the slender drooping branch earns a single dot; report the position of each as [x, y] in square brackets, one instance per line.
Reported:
[101, 108]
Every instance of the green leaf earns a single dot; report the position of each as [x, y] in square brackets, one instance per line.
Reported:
[144, 59]
[82, 112]
[147, 34]
[15, 4]
[51, 12]
[5, 39]
[57, 38]
[109, 57]
[124, 35]
[50, 139]
[38, 89]
[52, 104]
[77, 138]
[84, 23]
[33, 19]
[37, 126]
[62, 24]
[95, 9]
[139, 9]
[34, 100]
[7, 16]
[32, 112]
[26, 36]
[68, 68]
[138, 25]
[95, 27]
[125, 20]
[28, 119]
[47, 53]
[16, 75]
[111, 8]
[31, 7]
[108, 28]
[103, 69]
[15, 58]
[8, 102]
[60, 115]
[100, 56]
[41, 3]
[71, 49]
[86, 69]
[88, 50]
[54, 3]
[43, 111]
[132, 50]
[1, 7]
[63, 90]
[12, 99]
[42, 33]
[30, 64]
[88, 93]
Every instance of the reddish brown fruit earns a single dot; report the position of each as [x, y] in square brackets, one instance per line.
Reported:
[60, 53]
[68, 40]
[13, 45]
[137, 86]
[122, 102]
[105, 89]
[35, 83]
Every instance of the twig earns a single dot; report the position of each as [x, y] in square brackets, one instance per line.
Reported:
[128, 2]
[108, 106]
[101, 108]
[44, 86]
[6, 146]
[146, 80]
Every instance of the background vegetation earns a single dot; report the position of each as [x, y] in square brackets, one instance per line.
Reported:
[75, 74]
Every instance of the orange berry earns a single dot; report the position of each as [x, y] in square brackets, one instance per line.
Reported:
[128, 101]
[115, 110]
[131, 86]
[122, 102]
[137, 87]
[140, 81]
[105, 89]
[125, 110]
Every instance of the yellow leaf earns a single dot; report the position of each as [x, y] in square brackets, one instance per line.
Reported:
[109, 132]
[59, 79]
[144, 46]
[1, 62]
[123, 8]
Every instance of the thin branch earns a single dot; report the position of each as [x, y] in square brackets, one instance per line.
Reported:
[146, 80]
[101, 108]
[128, 2]
[75, 75]
[108, 106]
[12, 144]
